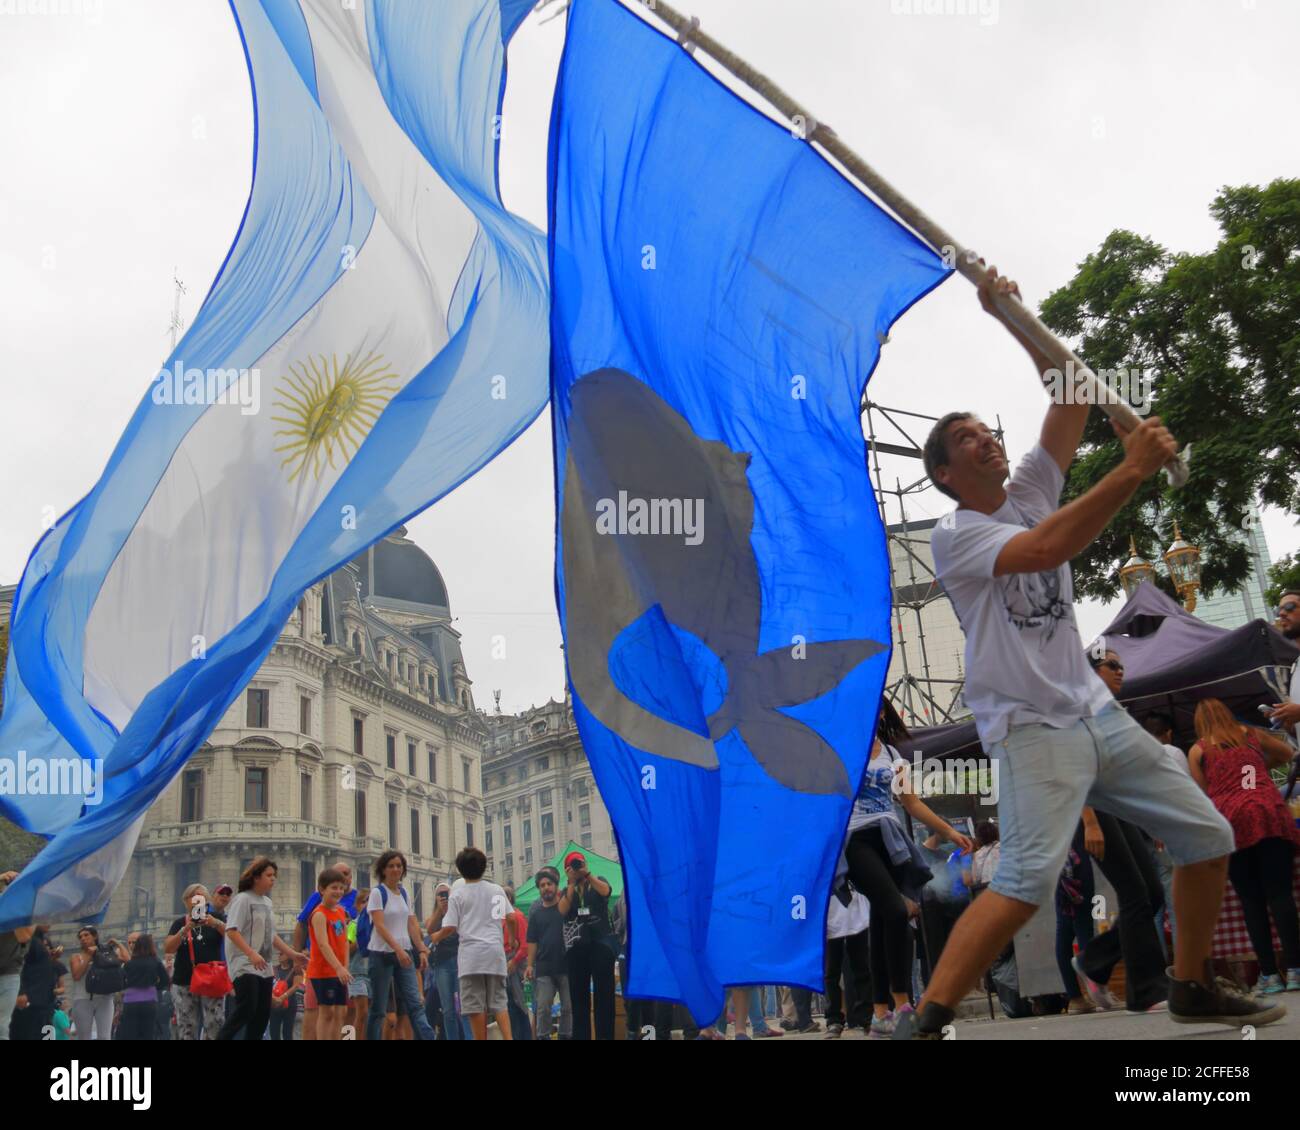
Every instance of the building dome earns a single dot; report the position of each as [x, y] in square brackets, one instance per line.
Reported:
[396, 569]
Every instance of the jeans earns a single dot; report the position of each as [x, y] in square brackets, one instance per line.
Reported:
[1165, 868]
[385, 970]
[756, 1021]
[282, 1020]
[447, 985]
[1047, 775]
[1128, 864]
[545, 990]
[802, 999]
[93, 1017]
[8, 997]
[591, 974]
[252, 1008]
[1070, 928]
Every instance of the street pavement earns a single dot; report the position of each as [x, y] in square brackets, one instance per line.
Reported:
[1105, 1026]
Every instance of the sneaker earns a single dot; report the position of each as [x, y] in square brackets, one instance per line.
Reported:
[906, 1029]
[1080, 1007]
[834, 1031]
[766, 1033]
[1216, 1000]
[882, 1027]
[1101, 996]
[1268, 984]
[811, 1026]
[1293, 980]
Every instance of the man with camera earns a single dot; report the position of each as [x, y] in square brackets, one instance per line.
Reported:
[590, 948]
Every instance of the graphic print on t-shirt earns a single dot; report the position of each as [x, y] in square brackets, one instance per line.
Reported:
[1033, 600]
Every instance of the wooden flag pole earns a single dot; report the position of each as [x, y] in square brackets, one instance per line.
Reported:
[1085, 386]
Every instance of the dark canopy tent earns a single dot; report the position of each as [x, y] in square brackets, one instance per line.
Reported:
[1172, 660]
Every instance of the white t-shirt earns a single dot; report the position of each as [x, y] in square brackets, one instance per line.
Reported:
[1025, 661]
[984, 864]
[1179, 757]
[478, 911]
[254, 917]
[396, 918]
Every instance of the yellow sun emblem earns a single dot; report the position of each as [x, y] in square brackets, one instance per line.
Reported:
[331, 408]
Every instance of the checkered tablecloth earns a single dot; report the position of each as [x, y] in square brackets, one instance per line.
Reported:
[1230, 938]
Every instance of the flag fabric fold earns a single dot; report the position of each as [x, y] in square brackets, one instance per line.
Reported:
[377, 333]
[719, 296]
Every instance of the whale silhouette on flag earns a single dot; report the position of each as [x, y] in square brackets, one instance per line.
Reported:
[624, 439]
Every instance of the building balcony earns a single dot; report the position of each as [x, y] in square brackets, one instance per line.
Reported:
[238, 830]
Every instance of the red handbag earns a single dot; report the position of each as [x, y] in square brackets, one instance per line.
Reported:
[210, 978]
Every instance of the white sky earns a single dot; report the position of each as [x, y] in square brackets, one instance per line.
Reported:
[1030, 133]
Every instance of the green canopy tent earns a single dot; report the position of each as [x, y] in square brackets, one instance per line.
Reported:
[599, 865]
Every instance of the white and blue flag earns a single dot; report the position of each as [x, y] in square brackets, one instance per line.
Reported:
[377, 333]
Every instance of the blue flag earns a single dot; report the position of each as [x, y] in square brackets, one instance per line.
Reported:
[376, 334]
[719, 293]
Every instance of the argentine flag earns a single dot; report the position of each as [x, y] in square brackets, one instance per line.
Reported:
[377, 333]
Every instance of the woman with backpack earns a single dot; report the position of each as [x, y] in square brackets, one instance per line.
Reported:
[145, 977]
[394, 934]
[96, 978]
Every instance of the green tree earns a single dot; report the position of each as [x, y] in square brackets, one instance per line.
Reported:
[1220, 335]
[1283, 574]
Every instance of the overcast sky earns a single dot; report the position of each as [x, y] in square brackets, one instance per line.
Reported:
[1029, 128]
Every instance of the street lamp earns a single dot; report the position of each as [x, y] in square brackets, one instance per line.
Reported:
[1184, 564]
[1135, 570]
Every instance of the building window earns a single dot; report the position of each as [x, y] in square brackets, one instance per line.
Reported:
[528, 831]
[304, 795]
[186, 874]
[415, 832]
[584, 815]
[469, 834]
[304, 715]
[510, 862]
[306, 879]
[543, 764]
[586, 839]
[539, 727]
[544, 798]
[523, 773]
[487, 817]
[505, 837]
[548, 825]
[392, 824]
[359, 812]
[548, 849]
[390, 742]
[258, 708]
[255, 791]
[418, 895]
[358, 736]
[488, 837]
[410, 758]
[433, 765]
[434, 848]
[464, 768]
[582, 787]
[192, 796]
[528, 855]
[356, 643]
[302, 618]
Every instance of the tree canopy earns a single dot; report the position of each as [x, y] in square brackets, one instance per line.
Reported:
[1219, 334]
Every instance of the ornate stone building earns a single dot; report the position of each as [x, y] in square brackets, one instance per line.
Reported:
[538, 792]
[358, 733]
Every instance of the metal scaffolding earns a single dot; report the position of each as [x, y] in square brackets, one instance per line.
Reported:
[919, 696]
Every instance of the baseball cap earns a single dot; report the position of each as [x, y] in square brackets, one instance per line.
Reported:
[224, 889]
[568, 859]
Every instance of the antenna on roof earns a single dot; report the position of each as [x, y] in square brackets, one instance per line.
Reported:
[496, 697]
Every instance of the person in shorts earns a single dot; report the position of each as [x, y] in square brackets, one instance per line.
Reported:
[1057, 738]
[476, 913]
[327, 967]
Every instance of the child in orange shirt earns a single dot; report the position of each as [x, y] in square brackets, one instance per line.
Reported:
[328, 967]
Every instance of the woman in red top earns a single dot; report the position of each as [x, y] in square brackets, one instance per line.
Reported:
[1231, 763]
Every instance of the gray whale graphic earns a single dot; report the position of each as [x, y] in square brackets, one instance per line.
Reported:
[624, 437]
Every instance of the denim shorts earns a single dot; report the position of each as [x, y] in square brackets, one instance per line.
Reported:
[1046, 775]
